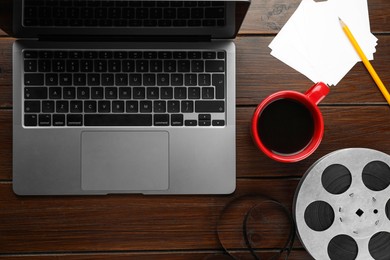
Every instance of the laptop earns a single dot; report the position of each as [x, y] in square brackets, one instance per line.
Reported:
[124, 96]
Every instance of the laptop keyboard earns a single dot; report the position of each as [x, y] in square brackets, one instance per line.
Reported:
[80, 88]
[92, 13]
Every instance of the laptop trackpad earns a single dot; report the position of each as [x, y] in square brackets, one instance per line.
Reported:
[124, 161]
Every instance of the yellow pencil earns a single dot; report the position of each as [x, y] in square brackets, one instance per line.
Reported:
[366, 62]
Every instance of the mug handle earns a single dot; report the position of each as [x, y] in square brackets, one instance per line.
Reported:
[317, 92]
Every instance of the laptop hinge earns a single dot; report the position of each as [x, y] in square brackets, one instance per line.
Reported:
[119, 38]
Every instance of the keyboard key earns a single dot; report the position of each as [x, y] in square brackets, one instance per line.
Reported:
[149, 79]
[218, 122]
[90, 106]
[35, 93]
[173, 106]
[176, 120]
[83, 93]
[135, 79]
[86, 65]
[32, 106]
[62, 106]
[204, 79]
[30, 54]
[159, 106]
[177, 79]
[139, 93]
[169, 66]
[204, 117]
[35, 79]
[111, 93]
[118, 106]
[208, 93]
[162, 79]
[217, 12]
[51, 79]
[209, 106]
[66, 79]
[107, 79]
[190, 79]
[128, 66]
[55, 93]
[104, 106]
[58, 120]
[30, 120]
[124, 93]
[97, 93]
[117, 120]
[30, 66]
[44, 120]
[197, 66]
[131, 106]
[180, 93]
[47, 106]
[204, 122]
[152, 93]
[209, 55]
[44, 65]
[121, 79]
[79, 79]
[93, 79]
[187, 106]
[166, 93]
[183, 66]
[215, 66]
[191, 123]
[69, 93]
[114, 66]
[76, 106]
[156, 66]
[74, 120]
[194, 55]
[194, 93]
[219, 83]
[146, 106]
[161, 120]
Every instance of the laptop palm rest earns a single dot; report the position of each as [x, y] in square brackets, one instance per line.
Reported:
[122, 161]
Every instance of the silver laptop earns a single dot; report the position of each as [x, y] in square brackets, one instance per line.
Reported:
[124, 96]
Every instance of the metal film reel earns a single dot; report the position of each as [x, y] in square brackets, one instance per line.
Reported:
[342, 206]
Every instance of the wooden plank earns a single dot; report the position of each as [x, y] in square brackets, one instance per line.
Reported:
[259, 74]
[269, 16]
[345, 127]
[128, 222]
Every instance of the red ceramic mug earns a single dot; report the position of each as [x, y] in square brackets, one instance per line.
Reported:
[288, 126]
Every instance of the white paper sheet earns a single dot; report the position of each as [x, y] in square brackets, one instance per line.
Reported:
[313, 42]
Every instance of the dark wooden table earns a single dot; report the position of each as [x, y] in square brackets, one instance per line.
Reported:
[184, 227]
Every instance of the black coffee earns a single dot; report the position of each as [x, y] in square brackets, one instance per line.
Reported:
[285, 126]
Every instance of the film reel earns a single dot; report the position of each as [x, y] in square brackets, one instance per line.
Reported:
[342, 206]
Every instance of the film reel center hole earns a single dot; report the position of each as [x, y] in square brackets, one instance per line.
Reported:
[360, 212]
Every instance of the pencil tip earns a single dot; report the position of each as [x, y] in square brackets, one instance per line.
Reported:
[341, 22]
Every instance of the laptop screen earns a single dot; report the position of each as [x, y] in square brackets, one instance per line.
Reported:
[215, 19]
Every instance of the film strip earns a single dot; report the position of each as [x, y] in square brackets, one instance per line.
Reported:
[342, 206]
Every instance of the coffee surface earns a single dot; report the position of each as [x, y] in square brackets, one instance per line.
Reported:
[285, 126]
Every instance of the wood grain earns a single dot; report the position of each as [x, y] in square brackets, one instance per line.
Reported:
[184, 227]
[122, 222]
